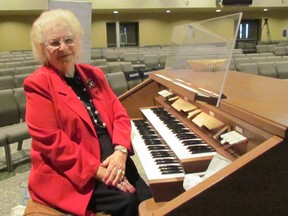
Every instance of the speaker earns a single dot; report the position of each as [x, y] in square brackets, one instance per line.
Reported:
[236, 2]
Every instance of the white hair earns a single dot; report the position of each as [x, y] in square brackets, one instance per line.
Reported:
[57, 16]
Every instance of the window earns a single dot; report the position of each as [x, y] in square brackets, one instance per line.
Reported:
[248, 35]
[248, 30]
[111, 34]
[128, 35]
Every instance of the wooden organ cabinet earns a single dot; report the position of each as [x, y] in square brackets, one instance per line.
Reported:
[255, 182]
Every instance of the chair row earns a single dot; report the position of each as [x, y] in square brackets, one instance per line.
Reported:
[276, 49]
[119, 54]
[16, 57]
[256, 59]
[136, 58]
[10, 82]
[243, 55]
[152, 63]
[112, 67]
[15, 52]
[13, 128]
[19, 63]
[126, 74]
[269, 69]
[17, 70]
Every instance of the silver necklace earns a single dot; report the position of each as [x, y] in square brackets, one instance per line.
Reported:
[96, 119]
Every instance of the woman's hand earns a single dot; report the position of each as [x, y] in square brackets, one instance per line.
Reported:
[124, 185]
[116, 166]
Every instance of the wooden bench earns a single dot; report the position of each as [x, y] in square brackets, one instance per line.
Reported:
[38, 209]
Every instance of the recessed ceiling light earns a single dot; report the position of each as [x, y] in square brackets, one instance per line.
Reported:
[115, 12]
[265, 9]
[218, 10]
[168, 11]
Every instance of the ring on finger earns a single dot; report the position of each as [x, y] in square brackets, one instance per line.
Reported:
[119, 171]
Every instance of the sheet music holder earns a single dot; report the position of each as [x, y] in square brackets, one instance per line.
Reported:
[203, 47]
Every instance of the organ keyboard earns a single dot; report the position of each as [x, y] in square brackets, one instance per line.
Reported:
[252, 183]
[182, 140]
[158, 160]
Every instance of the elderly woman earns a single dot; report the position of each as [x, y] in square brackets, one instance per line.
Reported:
[80, 131]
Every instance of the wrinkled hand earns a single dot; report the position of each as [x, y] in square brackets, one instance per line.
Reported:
[124, 185]
[115, 166]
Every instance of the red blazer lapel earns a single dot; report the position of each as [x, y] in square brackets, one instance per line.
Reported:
[66, 96]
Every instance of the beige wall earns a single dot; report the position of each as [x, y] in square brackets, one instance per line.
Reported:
[154, 29]
[15, 32]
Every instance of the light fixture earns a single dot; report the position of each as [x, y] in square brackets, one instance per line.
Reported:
[265, 9]
[168, 11]
[115, 12]
[218, 10]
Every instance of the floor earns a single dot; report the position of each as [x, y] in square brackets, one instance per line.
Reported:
[13, 186]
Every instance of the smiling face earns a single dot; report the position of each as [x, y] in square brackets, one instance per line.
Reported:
[60, 47]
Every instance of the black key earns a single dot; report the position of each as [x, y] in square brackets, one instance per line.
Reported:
[152, 141]
[161, 154]
[157, 147]
[171, 171]
[185, 136]
[192, 142]
[201, 151]
[199, 147]
[166, 161]
[170, 167]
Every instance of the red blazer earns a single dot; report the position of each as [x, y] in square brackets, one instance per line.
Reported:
[65, 150]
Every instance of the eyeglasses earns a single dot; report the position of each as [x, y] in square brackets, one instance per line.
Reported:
[56, 43]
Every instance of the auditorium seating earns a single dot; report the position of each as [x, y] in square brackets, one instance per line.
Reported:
[261, 48]
[239, 61]
[98, 62]
[282, 69]
[13, 64]
[112, 56]
[151, 61]
[133, 79]
[232, 65]
[258, 59]
[270, 47]
[118, 83]
[250, 67]
[96, 54]
[3, 142]
[127, 66]
[104, 68]
[19, 79]
[12, 124]
[24, 70]
[267, 69]
[280, 51]
[162, 59]
[274, 58]
[131, 57]
[114, 67]
[7, 82]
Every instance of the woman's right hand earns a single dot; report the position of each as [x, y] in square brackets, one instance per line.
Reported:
[124, 185]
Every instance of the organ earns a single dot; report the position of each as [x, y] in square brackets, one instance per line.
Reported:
[245, 121]
[255, 182]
